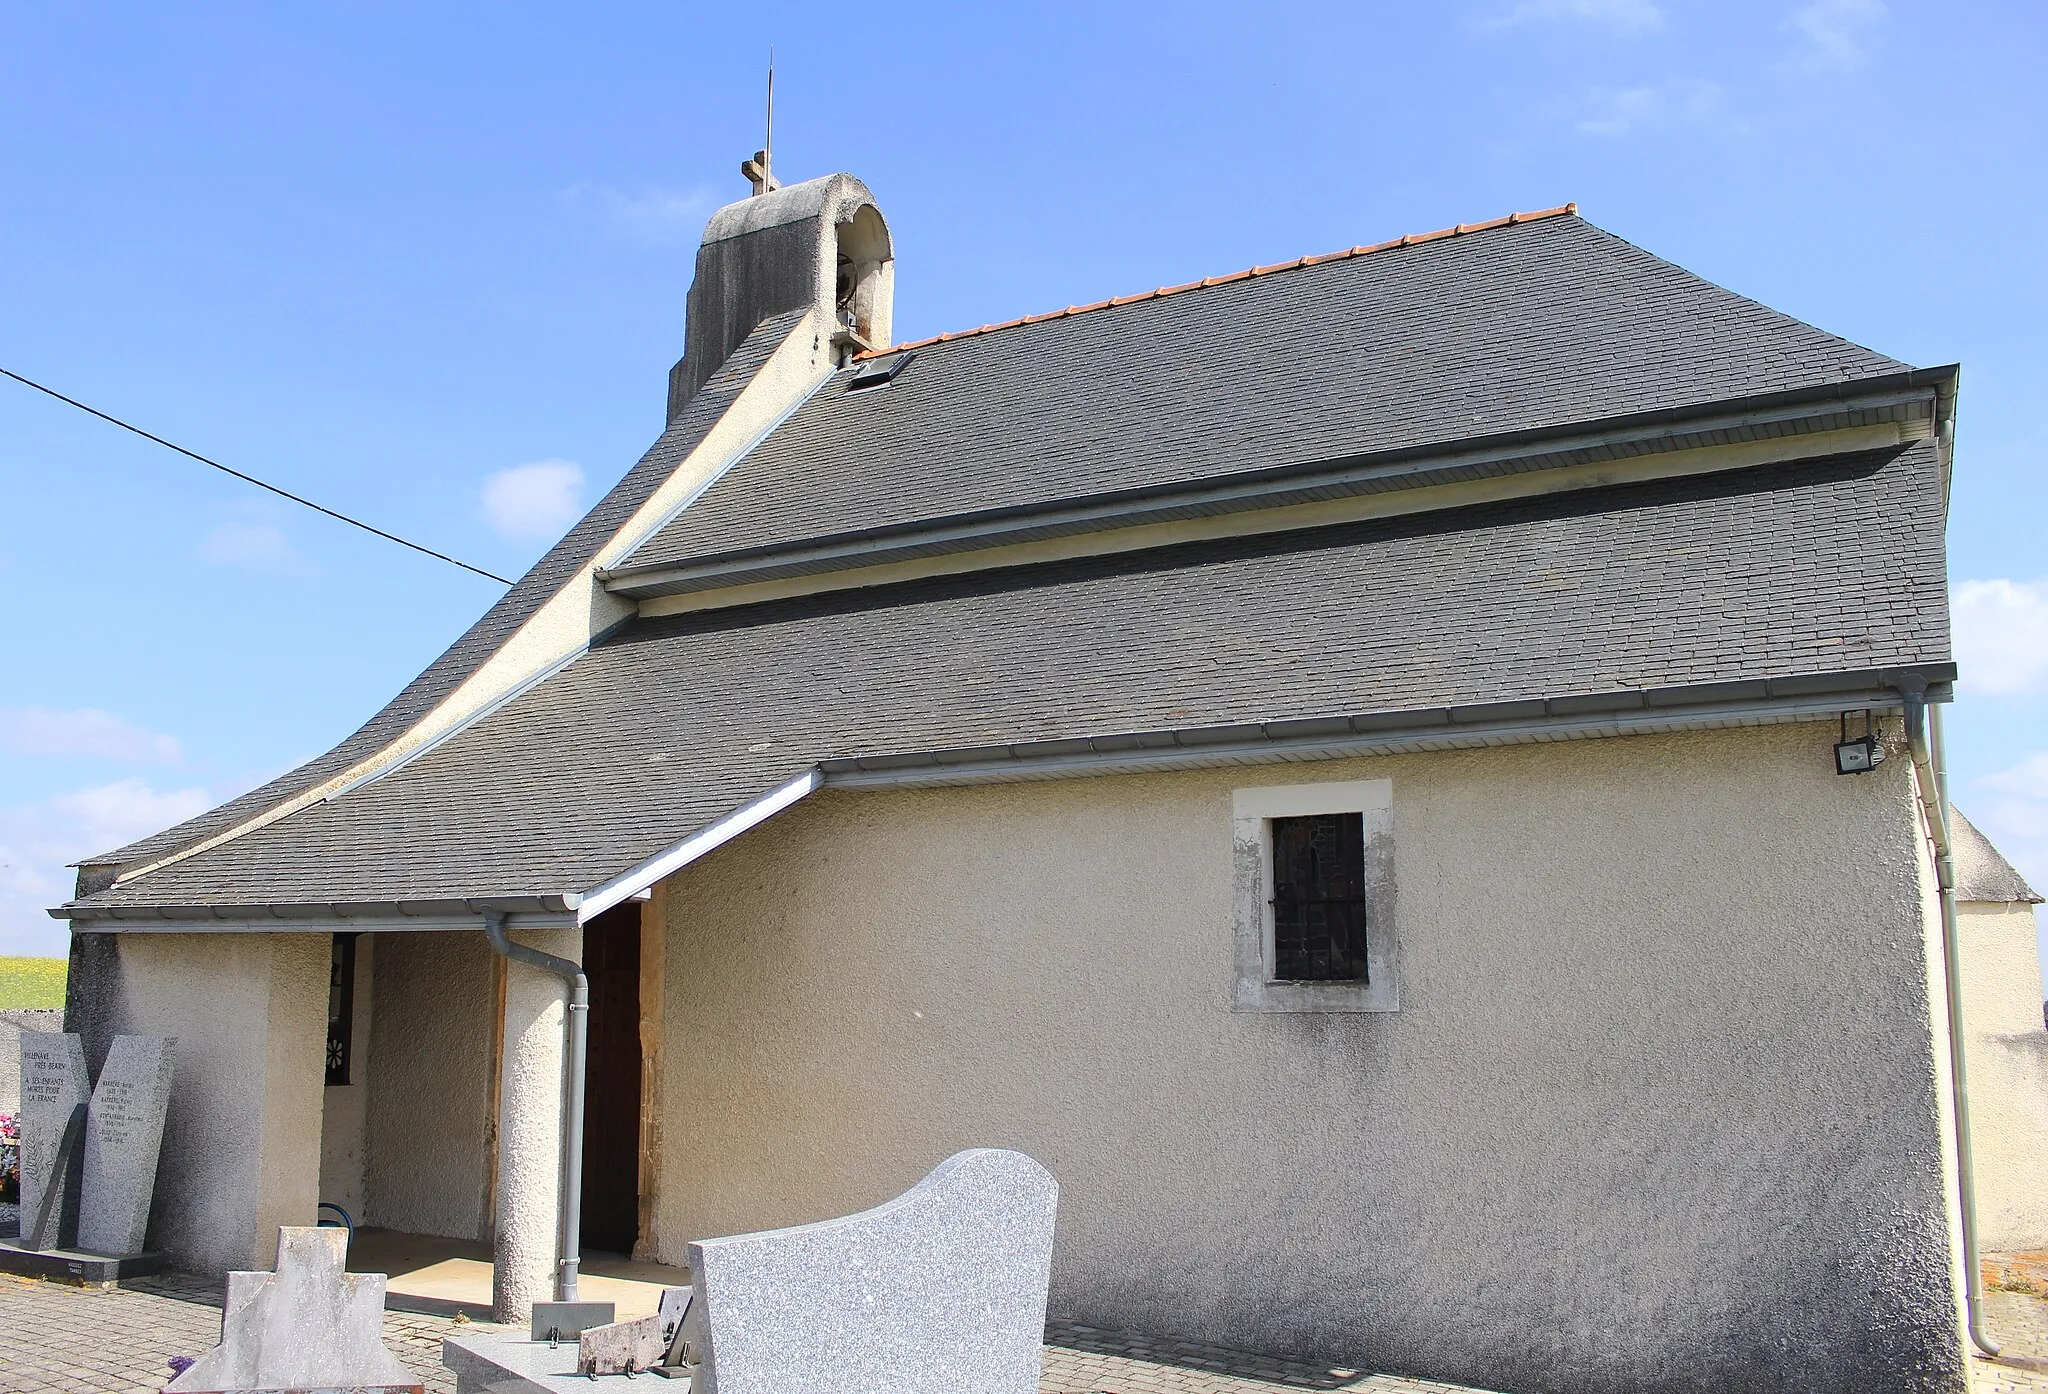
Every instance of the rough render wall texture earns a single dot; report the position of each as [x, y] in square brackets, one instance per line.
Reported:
[345, 1108]
[1660, 1110]
[429, 1116]
[2008, 1073]
[241, 1146]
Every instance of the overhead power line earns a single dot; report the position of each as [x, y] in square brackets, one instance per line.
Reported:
[252, 479]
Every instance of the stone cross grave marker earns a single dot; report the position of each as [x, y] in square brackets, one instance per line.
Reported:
[308, 1326]
[53, 1089]
[124, 1127]
[940, 1291]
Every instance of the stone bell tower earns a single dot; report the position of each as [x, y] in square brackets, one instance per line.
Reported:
[821, 244]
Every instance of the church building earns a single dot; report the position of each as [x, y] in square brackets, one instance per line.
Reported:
[1409, 779]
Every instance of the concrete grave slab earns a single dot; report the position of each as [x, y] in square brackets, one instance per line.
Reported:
[939, 1291]
[124, 1128]
[53, 1087]
[310, 1326]
[75, 1267]
[506, 1362]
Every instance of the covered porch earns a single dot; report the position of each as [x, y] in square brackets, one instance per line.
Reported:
[412, 1079]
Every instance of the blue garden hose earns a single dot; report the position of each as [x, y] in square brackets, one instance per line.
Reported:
[346, 1223]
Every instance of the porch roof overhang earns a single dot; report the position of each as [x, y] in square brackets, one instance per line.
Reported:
[1581, 716]
[322, 917]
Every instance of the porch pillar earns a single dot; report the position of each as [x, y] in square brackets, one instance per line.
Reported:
[530, 1096]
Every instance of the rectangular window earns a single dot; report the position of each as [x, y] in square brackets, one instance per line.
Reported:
[1314, 915]
[341, 1007]
[1319, 899]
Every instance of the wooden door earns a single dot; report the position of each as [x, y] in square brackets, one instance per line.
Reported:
[611, 1102]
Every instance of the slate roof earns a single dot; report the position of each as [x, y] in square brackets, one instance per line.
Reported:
[1982, 872]
[1513, 328]
[1821, 566]
[497, 624]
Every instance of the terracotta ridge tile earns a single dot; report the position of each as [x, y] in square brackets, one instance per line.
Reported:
[1412, 239]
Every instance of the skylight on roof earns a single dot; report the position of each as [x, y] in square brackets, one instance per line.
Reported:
[880, 371]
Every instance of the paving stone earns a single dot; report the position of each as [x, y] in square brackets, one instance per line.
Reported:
[64, 1340]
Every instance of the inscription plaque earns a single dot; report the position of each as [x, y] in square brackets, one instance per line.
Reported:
[53, 1086]
[124, 1128]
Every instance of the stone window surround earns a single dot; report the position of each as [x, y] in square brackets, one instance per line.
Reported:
[1252, 811]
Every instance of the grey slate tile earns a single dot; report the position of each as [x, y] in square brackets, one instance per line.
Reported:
[1666, 583]
[1514, 328]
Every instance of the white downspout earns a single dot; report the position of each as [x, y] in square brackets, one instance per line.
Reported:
[1923, 737]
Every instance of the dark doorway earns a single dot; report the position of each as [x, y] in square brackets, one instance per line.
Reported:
[611, 1106]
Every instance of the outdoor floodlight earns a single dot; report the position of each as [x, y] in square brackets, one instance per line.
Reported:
[1861, 755]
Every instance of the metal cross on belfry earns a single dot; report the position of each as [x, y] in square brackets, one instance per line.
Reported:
[758, 170]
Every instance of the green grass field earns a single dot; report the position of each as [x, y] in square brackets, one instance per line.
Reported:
[31, 982]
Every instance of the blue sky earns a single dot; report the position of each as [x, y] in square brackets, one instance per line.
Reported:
[427, 264]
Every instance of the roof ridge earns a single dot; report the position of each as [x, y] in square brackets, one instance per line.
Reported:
[1406, 240]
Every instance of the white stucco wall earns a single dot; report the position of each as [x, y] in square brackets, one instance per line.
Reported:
[1658, 1110]
[241, 1145]
[345, 1108]
[2008, 1069]
[429, 1131]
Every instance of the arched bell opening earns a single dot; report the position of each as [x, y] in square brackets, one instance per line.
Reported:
[862, 283]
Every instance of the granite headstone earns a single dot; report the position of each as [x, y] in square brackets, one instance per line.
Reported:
[53, 1087]
[308, 1326]
[939, 1291]
[124, 1127]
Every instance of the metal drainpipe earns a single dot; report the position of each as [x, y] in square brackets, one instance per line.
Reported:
[1933, 784]
[570, 1232]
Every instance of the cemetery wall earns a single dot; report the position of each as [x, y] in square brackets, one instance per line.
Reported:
[428, 1153]
[13, 1022]
[1660, 1107]
[247, 1014]
[2008, 1073]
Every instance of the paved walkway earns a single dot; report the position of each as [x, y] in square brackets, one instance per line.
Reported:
[56, 1338]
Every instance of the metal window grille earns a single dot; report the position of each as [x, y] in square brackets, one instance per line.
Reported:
[341, 1007]
[1319, 898]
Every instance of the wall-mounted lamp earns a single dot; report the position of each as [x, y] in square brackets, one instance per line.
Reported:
[1861, 755]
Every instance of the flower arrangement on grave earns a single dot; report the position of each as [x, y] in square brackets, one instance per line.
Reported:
[10, 1159]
